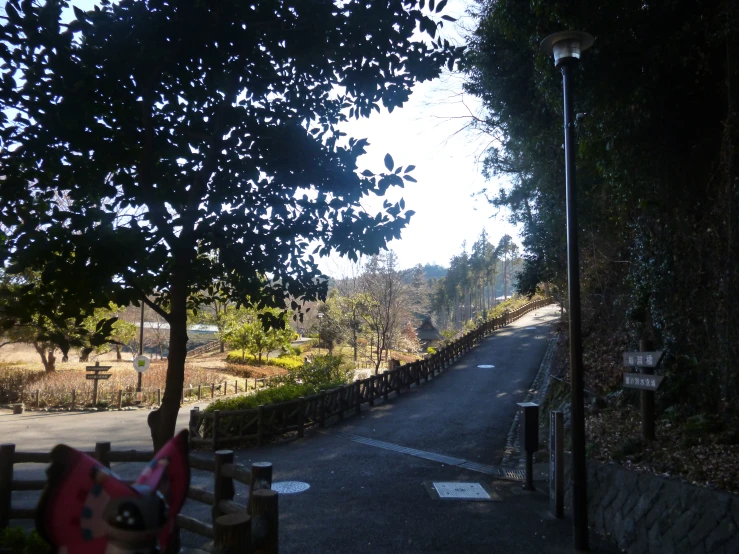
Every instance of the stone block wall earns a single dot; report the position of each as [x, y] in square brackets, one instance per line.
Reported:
[646, 514]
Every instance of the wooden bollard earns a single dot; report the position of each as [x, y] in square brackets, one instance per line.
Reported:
[36, 402]
[120, 399]
[225, 388]
[74, 399]
[212, 390]
[261, 479]
[223, 487]
[7, 452]
[232, 534]
[102, 453]
[265, 522]
[200, 391]
[236, 386]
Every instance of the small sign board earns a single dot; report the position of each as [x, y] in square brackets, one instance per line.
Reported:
[141, 363]
[98, 376]
[98, 367]
[642, 381]
[643, 359]
[139, 396]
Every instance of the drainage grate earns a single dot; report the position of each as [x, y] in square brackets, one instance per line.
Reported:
[465, 491]
[290, 487]
[486, 366]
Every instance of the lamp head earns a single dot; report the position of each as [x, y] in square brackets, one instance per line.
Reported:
[566, 45]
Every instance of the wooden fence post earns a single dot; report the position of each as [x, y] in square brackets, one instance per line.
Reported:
[37, 393]
[236, 386]
[200, 391]
[7, 452]
[120, 399]
[260, 425]
[212, 390]
[225, 388]
[358, 392]
[322, 410]
[398, 378]
[342, 400]
[102, 453]
[232, 534]
[223, 487]
[193, 425]
[74, 398]
[385, 384]
[265, 519]
[301, 417]
[371, 390]
[216, 413]
[261, 479]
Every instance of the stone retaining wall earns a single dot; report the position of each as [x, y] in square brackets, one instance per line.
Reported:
[646, 514]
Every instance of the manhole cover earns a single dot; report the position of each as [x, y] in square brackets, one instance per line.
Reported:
[290, 487]
[486, 366]
[469, 491]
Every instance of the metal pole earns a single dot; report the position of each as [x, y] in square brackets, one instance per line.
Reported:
[141, 345]
[579, 469]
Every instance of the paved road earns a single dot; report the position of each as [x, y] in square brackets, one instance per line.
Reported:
[369, 498]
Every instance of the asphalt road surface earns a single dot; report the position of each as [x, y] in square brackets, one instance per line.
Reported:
[369, 476]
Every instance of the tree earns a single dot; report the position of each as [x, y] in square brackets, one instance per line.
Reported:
[245, 331]
[388, 302]
[184, 128]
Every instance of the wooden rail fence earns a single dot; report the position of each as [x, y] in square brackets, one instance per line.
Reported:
[222, 428]
[234, 527]
[118, 398]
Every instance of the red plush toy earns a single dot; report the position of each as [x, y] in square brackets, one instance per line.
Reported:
[86, 509]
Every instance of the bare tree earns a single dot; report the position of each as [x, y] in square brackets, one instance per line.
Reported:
[388, 299]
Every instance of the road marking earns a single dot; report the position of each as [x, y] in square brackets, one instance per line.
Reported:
[496, 472]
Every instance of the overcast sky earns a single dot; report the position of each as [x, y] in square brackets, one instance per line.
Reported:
[425, 133]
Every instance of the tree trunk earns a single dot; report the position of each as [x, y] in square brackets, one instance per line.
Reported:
[223, 347]
[118, 353]
[164, 420]
[47, 359]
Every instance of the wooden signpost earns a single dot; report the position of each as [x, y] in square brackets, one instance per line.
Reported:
[646, 381]
[95, 376]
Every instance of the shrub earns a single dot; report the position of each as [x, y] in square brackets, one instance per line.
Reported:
[285, 362]
[431, 351]
[272, 395]
[320, 370]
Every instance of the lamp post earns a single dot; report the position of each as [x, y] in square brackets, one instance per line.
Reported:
[566, 46]
[141, 353]
[320, 317]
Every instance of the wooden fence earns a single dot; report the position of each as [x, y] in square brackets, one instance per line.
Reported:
[234, 527]
[220, 428]
[207, 348]
[119, 397]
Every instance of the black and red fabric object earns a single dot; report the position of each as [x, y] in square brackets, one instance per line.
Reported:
[87, 509]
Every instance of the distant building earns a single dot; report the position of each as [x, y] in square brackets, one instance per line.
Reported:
[428, 335]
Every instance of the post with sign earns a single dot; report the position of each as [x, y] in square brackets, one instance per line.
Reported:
[140, 364]
[95, 375]
[528, 423]
[556, 464]
[645, 381]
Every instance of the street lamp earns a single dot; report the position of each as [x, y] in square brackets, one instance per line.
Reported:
[320, 317]
[566, 46]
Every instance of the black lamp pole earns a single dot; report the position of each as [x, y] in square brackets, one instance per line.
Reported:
[566, 47]
[141, 346]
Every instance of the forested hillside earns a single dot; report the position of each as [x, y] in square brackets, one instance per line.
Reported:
[656, 170]
[656, 100]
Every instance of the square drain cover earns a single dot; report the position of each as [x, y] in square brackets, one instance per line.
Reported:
[465, 491]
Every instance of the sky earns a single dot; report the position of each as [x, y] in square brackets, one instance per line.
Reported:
[426, 133]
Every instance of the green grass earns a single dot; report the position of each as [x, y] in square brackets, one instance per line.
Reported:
[273, 395]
